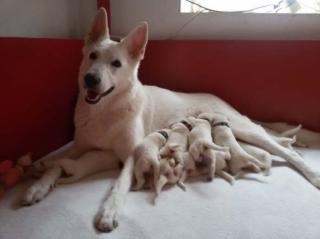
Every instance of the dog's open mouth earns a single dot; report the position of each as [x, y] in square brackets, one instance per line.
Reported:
[93, 97]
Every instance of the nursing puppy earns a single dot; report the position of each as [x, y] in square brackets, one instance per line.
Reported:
[177, 142]
[147, 156]
[192, 168]
[200, 139]
[201, 145]
[222, 135]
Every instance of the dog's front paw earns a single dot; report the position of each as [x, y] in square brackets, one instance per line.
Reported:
[36, 193]
[106, 221]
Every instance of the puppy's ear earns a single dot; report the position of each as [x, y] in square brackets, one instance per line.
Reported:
[136, 41]
[99, 28]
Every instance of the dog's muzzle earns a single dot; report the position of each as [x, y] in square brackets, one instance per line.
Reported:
[92, 97]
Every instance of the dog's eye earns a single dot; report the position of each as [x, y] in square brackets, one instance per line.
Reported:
[116, 63]
[93, 55]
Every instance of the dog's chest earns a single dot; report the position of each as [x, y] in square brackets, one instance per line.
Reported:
[99, 133]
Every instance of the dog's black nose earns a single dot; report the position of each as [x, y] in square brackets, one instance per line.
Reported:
[91, 80]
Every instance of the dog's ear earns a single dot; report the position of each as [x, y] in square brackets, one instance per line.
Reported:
[136, 41]
[99, 28]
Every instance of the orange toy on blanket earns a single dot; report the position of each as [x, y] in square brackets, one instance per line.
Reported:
[11, 174]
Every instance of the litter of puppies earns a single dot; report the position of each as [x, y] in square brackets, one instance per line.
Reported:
[202, 145]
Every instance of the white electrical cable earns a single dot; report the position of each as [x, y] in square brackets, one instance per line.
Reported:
[275, 6]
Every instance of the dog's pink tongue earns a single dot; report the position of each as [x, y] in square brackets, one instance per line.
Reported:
[92, 94]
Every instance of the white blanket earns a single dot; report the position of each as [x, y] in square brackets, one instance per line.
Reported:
[283, 205]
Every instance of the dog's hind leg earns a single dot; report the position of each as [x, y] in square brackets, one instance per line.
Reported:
[254, 134]
[89, 163]
[66, 151]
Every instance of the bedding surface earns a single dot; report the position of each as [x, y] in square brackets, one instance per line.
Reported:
[282, 205]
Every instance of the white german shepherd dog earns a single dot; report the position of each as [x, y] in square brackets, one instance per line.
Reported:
[115, 111]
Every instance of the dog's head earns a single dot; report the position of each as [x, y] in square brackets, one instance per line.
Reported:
[110, 67]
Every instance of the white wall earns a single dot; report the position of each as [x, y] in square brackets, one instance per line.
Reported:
[71, 18]
[46, 18]
[165, 19]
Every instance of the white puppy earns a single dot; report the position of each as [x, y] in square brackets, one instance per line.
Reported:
[200, 139]
[222, 135]
[177, 142]
[147, 156]
[201, 144]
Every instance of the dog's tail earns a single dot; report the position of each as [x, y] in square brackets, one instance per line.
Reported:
[304, 136]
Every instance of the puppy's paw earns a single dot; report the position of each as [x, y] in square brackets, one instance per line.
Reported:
[36, 193]
[182, 186]
[252, 167]
[138, 186]
[106, 221]
[135, 188]
[210, 178]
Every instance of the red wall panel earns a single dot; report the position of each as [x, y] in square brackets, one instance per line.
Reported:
[39, 85]
[268, 80]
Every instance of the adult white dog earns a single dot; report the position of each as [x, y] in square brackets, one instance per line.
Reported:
[115, 111]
